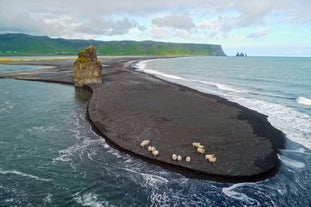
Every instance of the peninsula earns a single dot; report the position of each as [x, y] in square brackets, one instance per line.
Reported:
[129, 107]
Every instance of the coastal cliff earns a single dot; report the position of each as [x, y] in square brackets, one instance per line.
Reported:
[22, 44]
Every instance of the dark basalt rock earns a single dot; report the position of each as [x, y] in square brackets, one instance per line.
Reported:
[87, 69]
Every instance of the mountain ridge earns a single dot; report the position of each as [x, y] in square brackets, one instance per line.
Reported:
[12, 44]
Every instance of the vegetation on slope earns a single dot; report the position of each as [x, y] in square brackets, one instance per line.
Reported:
[22, 44]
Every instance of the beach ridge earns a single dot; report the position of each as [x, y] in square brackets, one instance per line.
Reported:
[130, 106]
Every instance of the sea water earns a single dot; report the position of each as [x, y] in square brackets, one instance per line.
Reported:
[50, 156]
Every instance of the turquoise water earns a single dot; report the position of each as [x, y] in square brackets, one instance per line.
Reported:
[51, 157]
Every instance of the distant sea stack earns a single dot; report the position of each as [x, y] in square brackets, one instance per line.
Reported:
[241, 54]
[87, 69]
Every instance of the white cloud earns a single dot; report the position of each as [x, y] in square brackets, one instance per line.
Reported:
[106, 26]
[182, 22]
[27, 15]
[262, 32]
[160, 33]
[252, 12]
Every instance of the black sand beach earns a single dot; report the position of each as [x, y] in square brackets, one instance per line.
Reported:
[129, 107]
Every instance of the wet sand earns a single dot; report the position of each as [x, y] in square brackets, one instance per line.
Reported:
[129, 107]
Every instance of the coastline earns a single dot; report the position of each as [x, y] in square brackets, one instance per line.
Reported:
[131, 106]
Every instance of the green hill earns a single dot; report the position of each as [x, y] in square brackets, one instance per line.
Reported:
[22, 44]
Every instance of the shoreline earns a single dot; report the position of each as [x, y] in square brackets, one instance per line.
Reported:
[136, 87]
[277, 143]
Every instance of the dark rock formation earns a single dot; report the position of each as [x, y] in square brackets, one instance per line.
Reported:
[241, 54]
[87, 69]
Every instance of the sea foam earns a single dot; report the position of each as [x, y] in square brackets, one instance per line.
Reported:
[291, 163]
[15, 172]
[232, 192]
[221, 86]
[90, 199]
[166, 75]
[295, 124]
[141, 66]
[304, 101]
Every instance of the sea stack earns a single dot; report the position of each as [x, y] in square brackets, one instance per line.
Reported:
[87, 69]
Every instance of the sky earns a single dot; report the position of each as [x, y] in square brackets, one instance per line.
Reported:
[256, 27]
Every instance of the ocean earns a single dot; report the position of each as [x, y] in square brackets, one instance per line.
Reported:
[50, 156]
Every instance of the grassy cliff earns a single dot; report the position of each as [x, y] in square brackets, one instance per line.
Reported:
[22, 44]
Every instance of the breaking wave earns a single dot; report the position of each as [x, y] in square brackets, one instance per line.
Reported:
[304, 101]
[296, 125]
[90, 199]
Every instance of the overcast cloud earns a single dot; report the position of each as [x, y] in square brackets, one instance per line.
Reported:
[221, 21]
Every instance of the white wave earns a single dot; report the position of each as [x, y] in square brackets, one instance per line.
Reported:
[296, 125]
[154, 184]
[157, 73]
[295, 151]
[141, 64]
[304, 101]
[15, 172]
[78, 149]
[90, 199]
[154, 180]
[291, 163]
[226, 87]
[67, 154]
[232, 193]
[48, 198]
[160, 199]
[222, 86]
[61, 158]
[150, 180]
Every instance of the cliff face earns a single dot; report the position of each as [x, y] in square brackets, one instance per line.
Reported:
[87, 69]
[217, 51]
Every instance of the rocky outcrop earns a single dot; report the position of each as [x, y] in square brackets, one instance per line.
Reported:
[87, 69]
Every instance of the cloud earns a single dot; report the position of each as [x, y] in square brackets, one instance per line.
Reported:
[253, 11]
[219, 27]
[171, 34]
[259, 33]
[153, 19]
[243, 14]
[107, 26]
[182, 22]
[66, 25]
